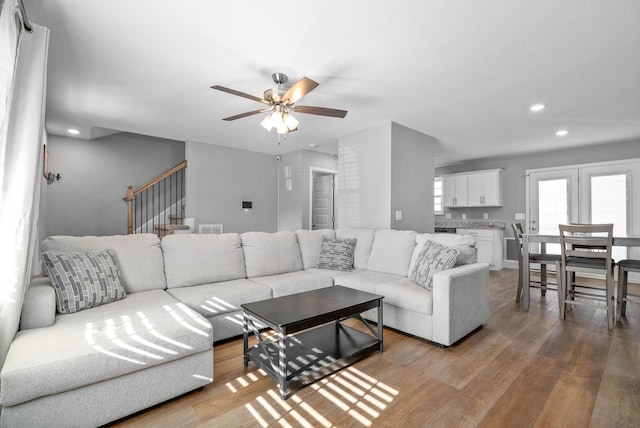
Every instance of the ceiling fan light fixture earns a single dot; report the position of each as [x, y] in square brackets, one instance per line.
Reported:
[266, 123]
[283, 122]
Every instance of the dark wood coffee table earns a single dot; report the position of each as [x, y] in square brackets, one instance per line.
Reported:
[309, 340]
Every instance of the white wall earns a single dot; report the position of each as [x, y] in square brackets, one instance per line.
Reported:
[364, 178]
[220, 178]
[95, 175]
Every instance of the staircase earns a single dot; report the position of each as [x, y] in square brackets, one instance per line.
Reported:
[162, 199]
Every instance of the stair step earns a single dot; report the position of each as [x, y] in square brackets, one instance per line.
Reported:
[167, 229]
[176, 219]
[171, 227]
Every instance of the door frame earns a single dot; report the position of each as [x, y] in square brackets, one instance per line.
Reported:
[324, 171]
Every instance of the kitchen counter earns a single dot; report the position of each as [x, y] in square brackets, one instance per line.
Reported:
[471, 224]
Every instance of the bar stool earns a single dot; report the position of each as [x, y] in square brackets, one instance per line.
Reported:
[586, 248]
[624, 267]
[536, 258]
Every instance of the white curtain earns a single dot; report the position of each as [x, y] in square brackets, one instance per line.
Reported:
[22, 86]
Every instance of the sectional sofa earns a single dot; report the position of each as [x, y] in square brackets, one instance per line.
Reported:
[184, 292]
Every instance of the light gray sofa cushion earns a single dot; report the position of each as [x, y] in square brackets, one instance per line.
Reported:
[365, 239]
[220, 297]
[139, 256]
[392, 251]
[406, 294]
[39, 309]
[309, 242]
[191, 259]
[366, 280]
[144, 329]
[294, 282]
[270, 253]
[333, 273]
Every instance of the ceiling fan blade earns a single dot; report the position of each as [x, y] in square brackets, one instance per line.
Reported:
[241, 115]
[240, 94]
[321, 111]
[299, 90]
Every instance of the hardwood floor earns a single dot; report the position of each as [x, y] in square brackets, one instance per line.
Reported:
[521, 369]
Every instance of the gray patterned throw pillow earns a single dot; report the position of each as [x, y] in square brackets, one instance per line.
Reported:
[83, 280]
[432, 258]
[337, 254]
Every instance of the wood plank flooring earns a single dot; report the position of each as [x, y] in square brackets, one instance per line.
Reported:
[522, 369]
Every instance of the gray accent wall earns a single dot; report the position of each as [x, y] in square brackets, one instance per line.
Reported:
[514, 196]
[95, 174]
[220, 178]
[412, 155]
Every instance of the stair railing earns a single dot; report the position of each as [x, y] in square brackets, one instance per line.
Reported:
[162, 196]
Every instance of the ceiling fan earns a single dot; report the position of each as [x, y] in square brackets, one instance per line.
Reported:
[281, 102]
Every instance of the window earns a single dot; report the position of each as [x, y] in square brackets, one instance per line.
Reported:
[438, 209]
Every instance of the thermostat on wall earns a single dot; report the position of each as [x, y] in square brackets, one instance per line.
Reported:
[246, 204]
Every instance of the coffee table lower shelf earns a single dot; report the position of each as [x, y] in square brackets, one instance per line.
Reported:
[312, 354]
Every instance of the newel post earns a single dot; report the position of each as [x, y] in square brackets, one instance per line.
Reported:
[129, 200]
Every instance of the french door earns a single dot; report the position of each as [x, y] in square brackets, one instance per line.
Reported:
[553, 199]
[596, 193]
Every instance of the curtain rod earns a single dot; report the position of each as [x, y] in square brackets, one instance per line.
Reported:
[25, 20]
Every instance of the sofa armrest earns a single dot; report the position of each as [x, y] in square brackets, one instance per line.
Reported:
[39, 307]
[460, 301]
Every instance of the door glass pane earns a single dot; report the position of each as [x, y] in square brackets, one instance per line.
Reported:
[608, 194]
[553, 207]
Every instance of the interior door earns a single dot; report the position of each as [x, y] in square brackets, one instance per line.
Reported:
[552, 200]
[322, 214]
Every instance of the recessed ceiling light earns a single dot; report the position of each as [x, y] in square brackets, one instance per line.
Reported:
[73, 131]
[562, 132]
[537, 107]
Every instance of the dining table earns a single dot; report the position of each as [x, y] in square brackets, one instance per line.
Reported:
[530, 238]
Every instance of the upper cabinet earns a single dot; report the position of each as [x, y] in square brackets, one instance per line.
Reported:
[473, 189]
[454, 190]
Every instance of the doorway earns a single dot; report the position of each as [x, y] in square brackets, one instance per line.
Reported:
[322, 198]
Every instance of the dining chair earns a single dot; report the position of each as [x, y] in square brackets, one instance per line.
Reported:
[543, 260]
[624, 267]
[586, 248]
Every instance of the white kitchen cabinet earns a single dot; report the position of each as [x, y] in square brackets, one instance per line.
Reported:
[484, 188]
[488, 245]
[473, 189]
[454, 190]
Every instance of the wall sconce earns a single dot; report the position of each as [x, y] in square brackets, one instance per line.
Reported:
[246, 205]
[50, 176]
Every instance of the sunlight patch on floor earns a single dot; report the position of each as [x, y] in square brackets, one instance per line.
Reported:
[354, 392]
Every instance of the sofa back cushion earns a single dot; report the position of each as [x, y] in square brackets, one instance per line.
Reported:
[202, 259]
[138, 256]
[364, 242]
[392, 250]
[270, 253]
[309, 242]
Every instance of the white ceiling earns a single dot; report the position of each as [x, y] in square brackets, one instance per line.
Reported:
[463, 72]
